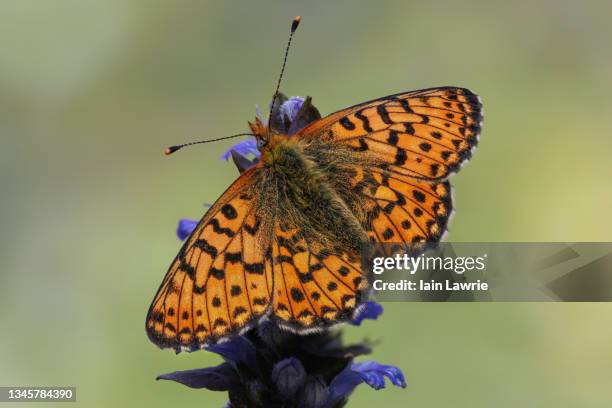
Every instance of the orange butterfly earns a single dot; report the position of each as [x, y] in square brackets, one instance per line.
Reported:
[283, 241]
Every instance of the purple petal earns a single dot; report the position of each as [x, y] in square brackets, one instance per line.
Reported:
[241, 162]
[314, 393]
[291, 107]
[238, 349]
[369, 372]
[219, 378]
[372, 369]
[246, 147]
[185, 228]
[288, 375]
[370, 310]
[306, 115]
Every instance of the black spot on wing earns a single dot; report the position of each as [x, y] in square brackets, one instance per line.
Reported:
[252, 230]
[187, 268]
[388, 234]
[347, 124]
[239, 310]
[305, 277]
[235, 290]
[409, 128]
[363, 146]
[216, 273]
[206, 247]
[433, 169]
[214, 223]
[425, 146]
[297, 295]
[365, 121]
[384, 115]
[405, 105]
[393, 137]
[233, 257]
[400, 157]
[229, 211]
[219, 322]
[419, 196]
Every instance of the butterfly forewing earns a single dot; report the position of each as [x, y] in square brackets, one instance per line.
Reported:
[233, 270]
[416, 139]
[220, 281]
[423, 134]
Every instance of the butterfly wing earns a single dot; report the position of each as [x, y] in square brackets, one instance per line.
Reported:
[233, 270]
[424, 134]
[221, 281]
[417, 139]
[408, 210]
[314, 287]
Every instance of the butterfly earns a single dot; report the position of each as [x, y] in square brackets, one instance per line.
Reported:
[283, 242]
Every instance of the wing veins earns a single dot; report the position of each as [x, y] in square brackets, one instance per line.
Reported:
[222, 252]
[391, 176]
[302, 285]
[246, 288]
[284, 281]
[392, 223]
[323, 292]
[408, 150]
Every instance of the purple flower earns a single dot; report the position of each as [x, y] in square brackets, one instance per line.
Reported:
[370, 310]
[369, 372]
[185, 228]
[268, 366]
[289, 118]
[289, 376]
[219, 378]
[244, 148]
[238, 350]
[291, 107]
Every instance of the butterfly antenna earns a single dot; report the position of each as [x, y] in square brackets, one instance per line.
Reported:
[173, 149]
[294, 25]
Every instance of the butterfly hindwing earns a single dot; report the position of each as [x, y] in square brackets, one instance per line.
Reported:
[313, 288]
[407, 210]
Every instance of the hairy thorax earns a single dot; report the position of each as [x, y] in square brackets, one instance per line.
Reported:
[307, 195]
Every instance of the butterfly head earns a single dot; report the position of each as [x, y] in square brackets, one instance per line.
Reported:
[266, 139]
[287, 117]
[259, 130]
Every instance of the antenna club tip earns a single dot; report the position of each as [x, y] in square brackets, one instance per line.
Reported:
[295, 23]
[170, 150]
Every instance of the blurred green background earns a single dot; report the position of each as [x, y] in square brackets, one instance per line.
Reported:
[92, 91]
